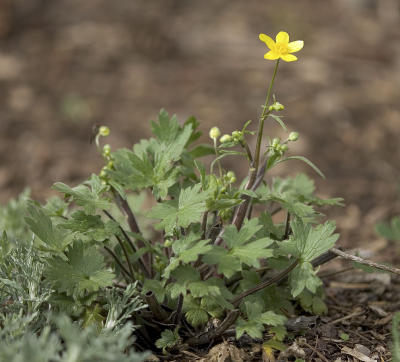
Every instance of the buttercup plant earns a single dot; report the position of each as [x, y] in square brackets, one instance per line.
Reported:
[209, 257]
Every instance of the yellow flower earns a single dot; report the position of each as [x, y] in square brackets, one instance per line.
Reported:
[281, 48]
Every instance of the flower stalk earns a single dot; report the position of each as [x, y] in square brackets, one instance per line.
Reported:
[242, 209]
[263, 116]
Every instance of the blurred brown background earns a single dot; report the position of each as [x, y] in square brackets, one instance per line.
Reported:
[67, 64]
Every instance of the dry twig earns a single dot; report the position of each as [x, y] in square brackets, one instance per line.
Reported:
[357, 259]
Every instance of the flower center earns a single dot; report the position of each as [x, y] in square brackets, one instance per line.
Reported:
[281, 48]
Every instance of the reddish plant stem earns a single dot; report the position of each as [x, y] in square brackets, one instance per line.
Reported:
[215, 333]
[236, 301]
[204, 225]
[287, 226]
[158, 312]
[126, 256]
[178, 312]
[142, 265]
[133, 225]
[124, 270]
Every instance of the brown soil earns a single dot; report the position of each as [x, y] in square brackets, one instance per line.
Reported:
[66, 65]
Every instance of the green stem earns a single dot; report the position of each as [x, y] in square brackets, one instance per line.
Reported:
[264, 114]
[216, 154]
[242, 209]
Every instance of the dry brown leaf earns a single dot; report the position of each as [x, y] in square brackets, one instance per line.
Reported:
[378, 310]
[362, 349]
[360, 356]
[385, 320]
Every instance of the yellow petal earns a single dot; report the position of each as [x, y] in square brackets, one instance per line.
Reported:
[271, 55]
[267, 40]
[282, 37]
[295, 46]
[289, 57]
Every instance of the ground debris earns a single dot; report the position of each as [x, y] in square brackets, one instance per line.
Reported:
[351, 331]
[357, 354]
[268, 354]
[225, 352]
[293, 351]
[377, 309]
[301, 323]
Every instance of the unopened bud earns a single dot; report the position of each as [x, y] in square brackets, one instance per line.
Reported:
[214, 133]
[104, 131]
[276, 107]
[231, 177]
[225, 138]
[283, 148]
[106, 150]
[293, 136]
[276, 141]
[237, 136]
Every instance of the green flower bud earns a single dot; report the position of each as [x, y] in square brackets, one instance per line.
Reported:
[226, 214]
[110, 165]
[283, 148]
[103, 173]
[106, 150]
[167, 243]
[237, 136]
[159, 265]
[231, 177]
[104, 131]
[275, 142]
[214, 133]
[293, 136]
[276, 107]
[225, 138]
